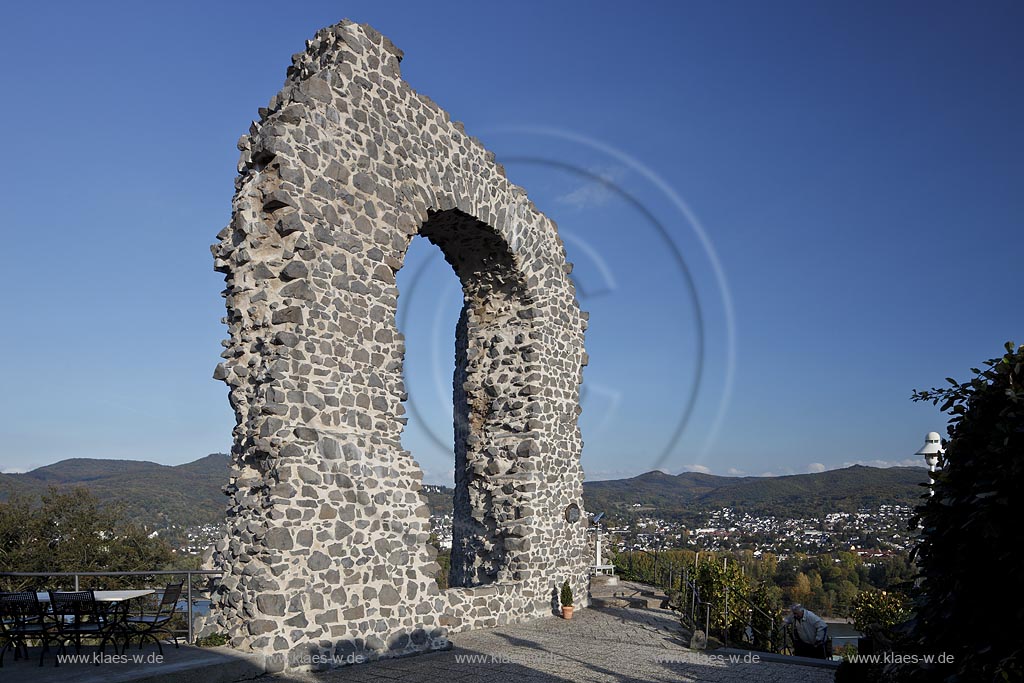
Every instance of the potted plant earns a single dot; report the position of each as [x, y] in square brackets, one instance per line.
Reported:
[566, 600]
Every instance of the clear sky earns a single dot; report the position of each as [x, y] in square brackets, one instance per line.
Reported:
[785, 216]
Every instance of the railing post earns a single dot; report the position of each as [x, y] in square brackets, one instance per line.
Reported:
[725, 616]
[682, 589]
[188, 578]
[76, 583]
[725, 602]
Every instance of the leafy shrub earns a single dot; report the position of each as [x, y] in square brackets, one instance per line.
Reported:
[213, 640]
[970, 553]
[753, 604]
[881, 608]
[846, 651]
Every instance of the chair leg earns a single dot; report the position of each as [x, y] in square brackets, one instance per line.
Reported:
[45, 648]
[171, 634]
[103, 645]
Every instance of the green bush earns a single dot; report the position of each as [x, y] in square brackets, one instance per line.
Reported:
[970, 554]
[213, 640]
[881, 608]
[846, 651]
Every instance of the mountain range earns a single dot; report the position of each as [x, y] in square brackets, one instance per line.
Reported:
[160, 496]
[799, 495]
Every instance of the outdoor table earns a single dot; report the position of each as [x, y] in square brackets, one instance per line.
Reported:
[108, 596]
[115, 600]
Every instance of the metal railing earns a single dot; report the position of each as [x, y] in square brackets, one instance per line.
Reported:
[771, 636]
[187, 573]
[689, 603]
[736, 609]
[676, 577]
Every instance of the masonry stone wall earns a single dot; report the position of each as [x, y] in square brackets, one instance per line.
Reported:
[326, 550]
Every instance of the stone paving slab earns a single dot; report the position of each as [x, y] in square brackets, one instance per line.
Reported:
[621, 645]
[176, 665]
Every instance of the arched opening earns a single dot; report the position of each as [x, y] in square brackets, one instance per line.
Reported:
[487, 406]
[429, 304]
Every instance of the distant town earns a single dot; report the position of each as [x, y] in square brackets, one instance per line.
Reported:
[868, 532]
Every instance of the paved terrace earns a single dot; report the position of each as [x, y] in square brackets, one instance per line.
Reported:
[619, 645]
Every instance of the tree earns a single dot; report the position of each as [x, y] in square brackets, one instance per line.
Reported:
[725, 583]
[970, 548]
[801, 590]
[846, 592]
[72, 532]
[444, 562]
[785, 572]
[850, 564]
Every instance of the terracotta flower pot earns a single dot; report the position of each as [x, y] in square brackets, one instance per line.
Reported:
[567, 612]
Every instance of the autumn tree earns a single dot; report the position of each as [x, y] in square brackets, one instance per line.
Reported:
[801, 589]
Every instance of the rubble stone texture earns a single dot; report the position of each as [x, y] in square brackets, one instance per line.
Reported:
[327, 548]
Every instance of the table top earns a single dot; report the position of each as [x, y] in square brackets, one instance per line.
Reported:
[108, 596]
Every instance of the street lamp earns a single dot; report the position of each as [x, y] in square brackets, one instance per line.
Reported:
[931, 450]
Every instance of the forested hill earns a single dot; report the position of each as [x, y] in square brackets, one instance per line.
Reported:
[161, 495]
[154, 495]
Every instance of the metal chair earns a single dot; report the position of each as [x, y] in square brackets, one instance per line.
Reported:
[21, 620]
[148, 625]
[76, 616]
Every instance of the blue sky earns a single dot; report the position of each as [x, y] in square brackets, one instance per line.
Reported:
[785, 216]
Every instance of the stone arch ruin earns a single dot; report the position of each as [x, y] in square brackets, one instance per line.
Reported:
[326, 550]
